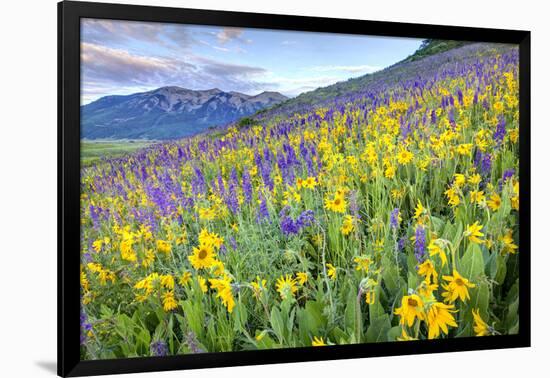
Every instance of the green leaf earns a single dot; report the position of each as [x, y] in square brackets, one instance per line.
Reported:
[310, 321]
[501, 268]
[266, 342]
[376, 310]
[194, 314]
[390, 276]
[350, 313]
[512, 315]
[491, 267]
[412, 281]
[458, 235]
[240, 316]
[145, 339]
[472, 265]
[394, 333]
[479, 299]
[277, 324]
[448, 231]
[378, 329]
[437, 224]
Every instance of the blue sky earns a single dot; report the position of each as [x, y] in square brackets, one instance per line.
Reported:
[123, 57]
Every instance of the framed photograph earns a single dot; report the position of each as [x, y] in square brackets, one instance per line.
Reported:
[240, 188]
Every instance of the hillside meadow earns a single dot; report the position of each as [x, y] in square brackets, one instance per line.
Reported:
[387, 213]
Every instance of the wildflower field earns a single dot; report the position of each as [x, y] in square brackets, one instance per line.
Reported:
[389, 213]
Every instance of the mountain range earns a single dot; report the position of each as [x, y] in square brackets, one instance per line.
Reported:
[168, 112]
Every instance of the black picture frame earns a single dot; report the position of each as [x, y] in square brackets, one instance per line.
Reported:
[69, 15]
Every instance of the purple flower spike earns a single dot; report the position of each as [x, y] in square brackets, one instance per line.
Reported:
[420, 244]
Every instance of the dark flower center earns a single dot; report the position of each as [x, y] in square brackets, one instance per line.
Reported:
[412, 302]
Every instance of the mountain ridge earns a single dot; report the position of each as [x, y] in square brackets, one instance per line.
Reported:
[168, 112]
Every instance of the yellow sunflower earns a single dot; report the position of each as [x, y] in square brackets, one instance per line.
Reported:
[439, 319]
[456, 288]
[412, 307]
[337, 204]
[480, 327]
[318, 341]
[203, 256]
[473, 232]
[286, 286]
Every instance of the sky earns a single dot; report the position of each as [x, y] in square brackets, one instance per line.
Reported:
[125, 57]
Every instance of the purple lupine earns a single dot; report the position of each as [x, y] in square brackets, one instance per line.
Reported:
[160, 198]
[247, 186]
[508, 174]
[192, 343]
[265, 171]
[221, 186]
[291, 226]
[263, 212]
[198, 184]
[452, 118]
[485, 104]
[313, 150]
[394, 218]
[143, 173]
[477, 157]
[94, 216]
[405, 130]
[486, 164]
[285, 168]
[85, 327]
[420, 244]
[159, 348]
[231, 198]
[288, 226]
[433, 117]
[268, 155]
[500, 131]
[233, 243]
[87, 257]
[303, 149]
[305, 219]
[401, 243]
[291, 158]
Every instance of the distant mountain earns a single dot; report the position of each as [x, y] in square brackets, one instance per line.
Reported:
[168, 112]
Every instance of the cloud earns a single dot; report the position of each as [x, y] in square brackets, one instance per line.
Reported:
[351, 69]
[231, 34]
[118, 33]
[102, 63]
[236, 49]
[222, 69]
[288, 43]
[107, 71]
[292, 87]
[224, 49]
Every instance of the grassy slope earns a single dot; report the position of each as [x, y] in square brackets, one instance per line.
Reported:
[432, 47]
[92, 152]
[395, 73]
